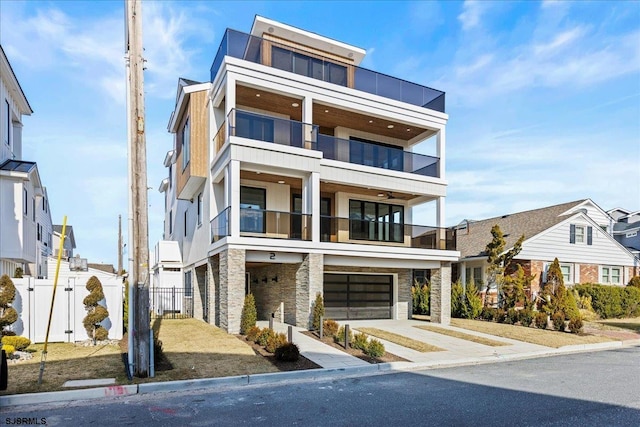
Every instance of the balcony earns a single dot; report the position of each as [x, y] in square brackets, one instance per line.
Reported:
[297, 134]
[220, 226]
[274, 224]
[266, 52]
[345, 230]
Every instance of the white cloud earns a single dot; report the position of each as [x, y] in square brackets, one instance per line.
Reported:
[471, 14]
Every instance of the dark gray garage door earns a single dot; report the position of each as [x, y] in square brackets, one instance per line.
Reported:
[358, 296]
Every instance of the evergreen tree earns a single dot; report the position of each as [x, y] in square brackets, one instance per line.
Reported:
[457, 300]
[96, 313]
[472, 301]
[513, 288]
[318, 311]
[499, 260]
[249, 315]
[8, 314]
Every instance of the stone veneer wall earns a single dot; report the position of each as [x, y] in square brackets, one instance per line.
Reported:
[213, 270]
[232, 269]
[199, 292]
[309, 281]
[440, 303]
[270, 294]
[405, 280]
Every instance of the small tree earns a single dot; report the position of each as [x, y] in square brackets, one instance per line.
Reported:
[472, 301]
[8, 314]
[499, 260]
[513, 289]
[249, 314]
[420, 296]
[318, 311]
[635, 281]
[18, 273]
[457, 299]
[95, 312]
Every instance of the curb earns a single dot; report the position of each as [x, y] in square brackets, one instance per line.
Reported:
[291, 376]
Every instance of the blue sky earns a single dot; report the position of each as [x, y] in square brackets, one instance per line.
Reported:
[543, 97]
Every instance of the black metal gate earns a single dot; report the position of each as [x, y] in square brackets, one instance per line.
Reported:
[171, 303]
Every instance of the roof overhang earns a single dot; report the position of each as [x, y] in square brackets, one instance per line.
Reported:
[263, 25]
[13, 85]
[169, 158]
[183, 101]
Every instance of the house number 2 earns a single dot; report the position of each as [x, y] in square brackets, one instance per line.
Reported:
[272, 255]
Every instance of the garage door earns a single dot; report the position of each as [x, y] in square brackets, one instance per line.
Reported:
[358, 296]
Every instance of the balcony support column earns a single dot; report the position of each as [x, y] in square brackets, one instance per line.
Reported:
[232, 195]
[307, 119]
[440, 150]
[230, 96]
[311, 202]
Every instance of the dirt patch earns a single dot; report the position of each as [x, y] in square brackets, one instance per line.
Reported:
[299, 365]
[388, 357]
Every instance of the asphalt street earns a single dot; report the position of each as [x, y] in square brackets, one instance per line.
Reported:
[586, 389]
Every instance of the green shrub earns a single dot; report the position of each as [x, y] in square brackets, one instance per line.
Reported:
[472, 306]
[457, 300]
[575, 325]
[420, 296]
[9, 349]
[8, 314]
[274, 341]
[249, 315]
[375, 348]
[288, 352]
[499, 315]
[487, 314]
[612, 301]
[20, 343]
[525, 317]
[359, 341]
[318, 311]
[512, 317]
[339, 337]
[540, 320]
[570, 306]
[95, 312]
[557, 319]
[253, 333]
[330, 328]
[265, 335]
[18, 272]
[635, 281]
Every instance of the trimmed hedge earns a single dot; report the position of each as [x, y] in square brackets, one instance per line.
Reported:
[20, 343]
[612, 301]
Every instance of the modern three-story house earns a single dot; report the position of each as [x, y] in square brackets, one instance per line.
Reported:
[295, 171]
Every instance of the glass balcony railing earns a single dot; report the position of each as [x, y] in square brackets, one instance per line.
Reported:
[220, 226]
[345, 230]
[261, 51]
[274, 224]
[297, 134]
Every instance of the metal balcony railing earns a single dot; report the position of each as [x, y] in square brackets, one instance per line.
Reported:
[261, 51]
[275, 224]
[304, 135]
[345, 230]
[220, 226]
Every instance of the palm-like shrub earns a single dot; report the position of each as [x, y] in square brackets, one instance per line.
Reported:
[8, 314]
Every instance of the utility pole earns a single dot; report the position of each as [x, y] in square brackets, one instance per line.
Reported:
[139, 231]
[120, 244]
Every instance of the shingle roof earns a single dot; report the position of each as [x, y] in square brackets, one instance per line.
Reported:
[473, 241]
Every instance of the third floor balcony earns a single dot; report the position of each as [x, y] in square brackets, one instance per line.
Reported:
[311, 64]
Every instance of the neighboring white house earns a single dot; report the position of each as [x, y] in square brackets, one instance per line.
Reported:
[294, 172]
[626, 229]
[69, 244]
[25, 220]
[577, 233]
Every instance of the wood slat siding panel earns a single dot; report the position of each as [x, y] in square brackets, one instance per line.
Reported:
[199, 134]
[555, 243]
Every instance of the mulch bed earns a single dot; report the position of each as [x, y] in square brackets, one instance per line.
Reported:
[388, 357]
[299, 365]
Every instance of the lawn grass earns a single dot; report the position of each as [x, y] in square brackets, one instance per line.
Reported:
[462, 335]
[631, 324]
[416, 345]
[194, 348]
[534, 336]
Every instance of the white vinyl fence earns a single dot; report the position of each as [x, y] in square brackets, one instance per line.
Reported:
[33, 302]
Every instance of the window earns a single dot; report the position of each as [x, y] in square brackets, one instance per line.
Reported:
[33, 209]
[25, 201]
[170, 175]
[631, 234]
[474, 273]
[171, 222]
[376, 221]
[611, 275]
[580, 234]
[309, 66]
[188, 289]
[186, 144]
[566, 273]
[376, 154]
[253, 202]
[254, 127]
[200, 209]
[39, 232]
[185, 223]
[7, 124]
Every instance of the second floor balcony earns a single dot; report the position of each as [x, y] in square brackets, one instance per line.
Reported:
[299, 61]
[297, 134]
